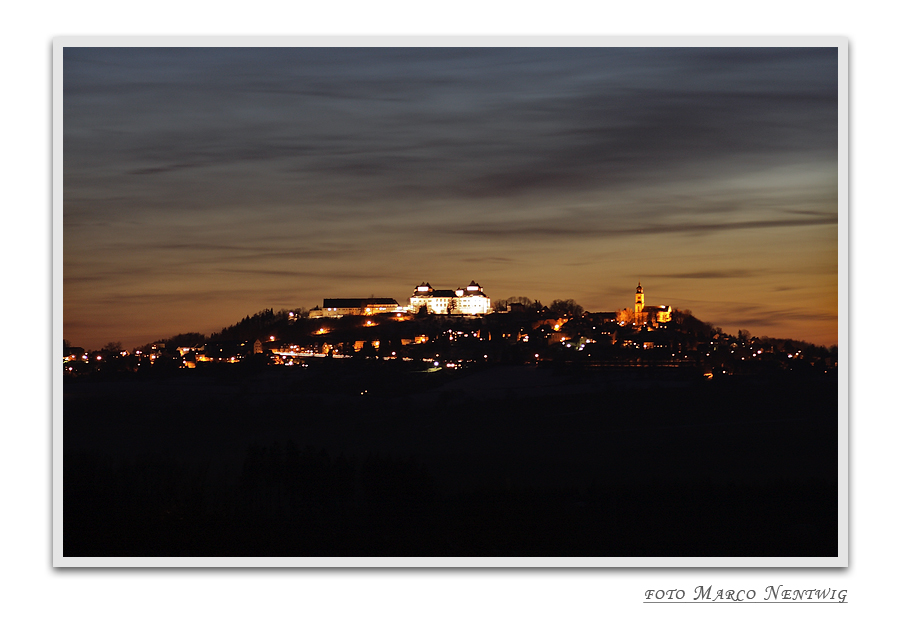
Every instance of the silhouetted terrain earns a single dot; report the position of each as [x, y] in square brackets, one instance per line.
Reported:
[360, 458]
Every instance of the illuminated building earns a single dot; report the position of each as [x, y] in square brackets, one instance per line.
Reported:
[468, 301]
[338, 307]
[638, 300]
[649, 316]
[74, 353]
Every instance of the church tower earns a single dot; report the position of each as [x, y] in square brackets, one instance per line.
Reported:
[639, 317]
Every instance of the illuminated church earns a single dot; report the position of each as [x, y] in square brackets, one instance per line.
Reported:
[649, 316]
[468, 301]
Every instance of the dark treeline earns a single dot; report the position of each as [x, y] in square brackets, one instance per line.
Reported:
[304, 502]
[635, 468]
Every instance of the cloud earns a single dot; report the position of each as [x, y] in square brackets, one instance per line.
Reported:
[553, 229]
[712, 275]
[749, 314]
[162, 169]
[488, 259]
[480, 124]
[318, 274]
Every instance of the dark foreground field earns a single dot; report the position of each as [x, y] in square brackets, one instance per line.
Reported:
[363, 459]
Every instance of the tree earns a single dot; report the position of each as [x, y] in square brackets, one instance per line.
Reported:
[113, 347]
[524, 301]
[566, 307]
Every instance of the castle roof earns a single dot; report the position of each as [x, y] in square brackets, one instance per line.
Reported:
[472, 289]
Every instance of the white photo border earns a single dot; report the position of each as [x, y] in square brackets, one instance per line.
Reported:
[838, 42]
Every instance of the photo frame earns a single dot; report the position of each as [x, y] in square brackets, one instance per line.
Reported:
[530, 206]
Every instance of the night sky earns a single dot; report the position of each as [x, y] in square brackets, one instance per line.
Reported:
[205, 184]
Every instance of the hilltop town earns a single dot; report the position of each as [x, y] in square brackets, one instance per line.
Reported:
[444, 329]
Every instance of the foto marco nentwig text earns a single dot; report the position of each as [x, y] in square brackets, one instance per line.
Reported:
[769, 594]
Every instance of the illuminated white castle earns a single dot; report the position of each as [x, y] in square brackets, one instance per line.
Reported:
[468, 301]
